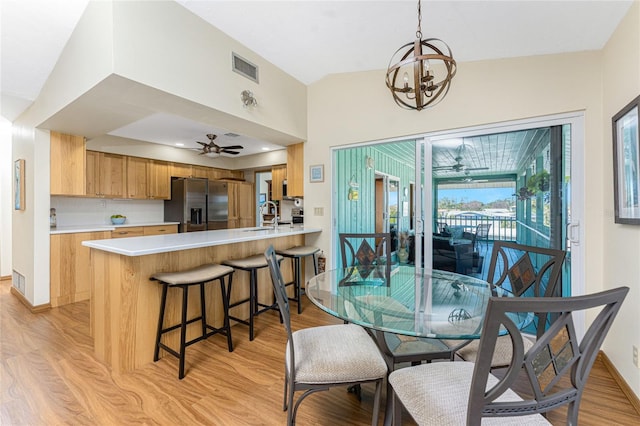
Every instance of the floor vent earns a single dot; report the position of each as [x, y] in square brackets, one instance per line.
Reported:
[245, 68]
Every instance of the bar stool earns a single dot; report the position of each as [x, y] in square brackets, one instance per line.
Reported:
[296, 254]
[251, 264]
[183, 280]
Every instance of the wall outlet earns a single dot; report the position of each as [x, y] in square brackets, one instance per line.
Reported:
[635, 356]
[103, 204]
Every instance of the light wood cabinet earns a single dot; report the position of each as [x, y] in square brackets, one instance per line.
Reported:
[200, 172]
[181, 170]
[106, 175]
[128, 231]
[159, 183]
[278, 175]
[69, 267]
[160, 230]
[295, 170]
[241, 212]
[137, 176]
[67, 167]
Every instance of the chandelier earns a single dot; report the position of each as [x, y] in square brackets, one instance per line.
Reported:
[413, 81]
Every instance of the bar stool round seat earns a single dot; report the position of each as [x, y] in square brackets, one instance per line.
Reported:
[251, 264]
[296, 254]
[184, 279]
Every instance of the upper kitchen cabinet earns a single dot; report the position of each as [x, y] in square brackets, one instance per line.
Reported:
[106, 175]
[201, 172]
[67, 164]
[181, 170]
[278, 176]
[159, 184]
[137, 177]
[295, 170]
[148, 179]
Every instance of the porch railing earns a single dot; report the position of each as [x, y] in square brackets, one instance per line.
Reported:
[502, 228]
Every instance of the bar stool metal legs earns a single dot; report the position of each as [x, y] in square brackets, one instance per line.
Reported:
[251, 264]
[296, 254]
[183, 280]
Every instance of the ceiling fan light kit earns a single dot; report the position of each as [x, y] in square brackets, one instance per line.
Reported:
[412, 80]
[212, 148]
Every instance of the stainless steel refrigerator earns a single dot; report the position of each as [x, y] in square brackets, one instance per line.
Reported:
[188, 204]
[217, 206]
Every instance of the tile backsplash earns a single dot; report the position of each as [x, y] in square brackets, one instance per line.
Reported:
[72, 211]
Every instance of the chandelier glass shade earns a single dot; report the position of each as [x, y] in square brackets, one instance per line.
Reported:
[420, 72]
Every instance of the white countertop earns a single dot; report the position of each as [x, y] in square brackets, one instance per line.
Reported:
[140, 246]
[98, 227]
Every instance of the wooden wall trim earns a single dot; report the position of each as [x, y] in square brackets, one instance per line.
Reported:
[25, 302]
[617, 377]
[5, 278]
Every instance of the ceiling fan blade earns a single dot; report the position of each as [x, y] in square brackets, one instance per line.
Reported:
[224, 151]
[202, 143]
[441, 167]
[476, 168]
[233, 147]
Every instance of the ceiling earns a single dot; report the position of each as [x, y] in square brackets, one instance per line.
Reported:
[496, 155]
[328, 37]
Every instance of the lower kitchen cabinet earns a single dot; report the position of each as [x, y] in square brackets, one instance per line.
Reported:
[69, 267]
[160, 230]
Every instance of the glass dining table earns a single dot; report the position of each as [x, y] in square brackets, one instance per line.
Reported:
[416, 302]
[426, 303]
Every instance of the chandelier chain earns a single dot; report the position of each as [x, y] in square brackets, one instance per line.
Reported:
[419, 30]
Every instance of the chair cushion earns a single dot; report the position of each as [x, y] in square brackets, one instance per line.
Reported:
[299, 251]
[252, 262]
[502, 354]
[438, 394]
[202, 273]
[336, 354]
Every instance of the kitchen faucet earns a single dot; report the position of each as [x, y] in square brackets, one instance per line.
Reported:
[274, 221]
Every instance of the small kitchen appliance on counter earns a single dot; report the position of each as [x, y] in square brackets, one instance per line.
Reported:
[297, 215]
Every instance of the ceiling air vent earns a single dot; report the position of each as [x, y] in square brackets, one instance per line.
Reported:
[244, 67]
[232, 135]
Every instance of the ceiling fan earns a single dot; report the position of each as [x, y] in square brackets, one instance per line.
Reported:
[459, 167]
[213, 148]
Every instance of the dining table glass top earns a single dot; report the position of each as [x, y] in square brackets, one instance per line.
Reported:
[416, 302]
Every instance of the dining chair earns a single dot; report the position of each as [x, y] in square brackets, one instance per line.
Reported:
[319, 358]
[521, 271]
[369, 252]
[557, 367]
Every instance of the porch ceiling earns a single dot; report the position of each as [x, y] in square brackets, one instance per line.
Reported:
[501, 153]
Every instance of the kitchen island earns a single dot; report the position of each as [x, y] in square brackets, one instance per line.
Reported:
[125, 304]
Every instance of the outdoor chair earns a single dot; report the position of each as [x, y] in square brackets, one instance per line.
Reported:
[482, 233]
[319, 358]
[557, 367]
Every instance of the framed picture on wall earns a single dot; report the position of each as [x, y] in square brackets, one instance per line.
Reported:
[18, 184]
[626, 164]
[263, 197]
[316, 173]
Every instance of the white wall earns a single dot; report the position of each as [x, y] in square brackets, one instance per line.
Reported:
[621, 243]
[360, 108]
[6, 197]
[129, 57]
[71, 211]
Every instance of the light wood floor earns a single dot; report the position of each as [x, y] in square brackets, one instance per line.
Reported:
[49, 376]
